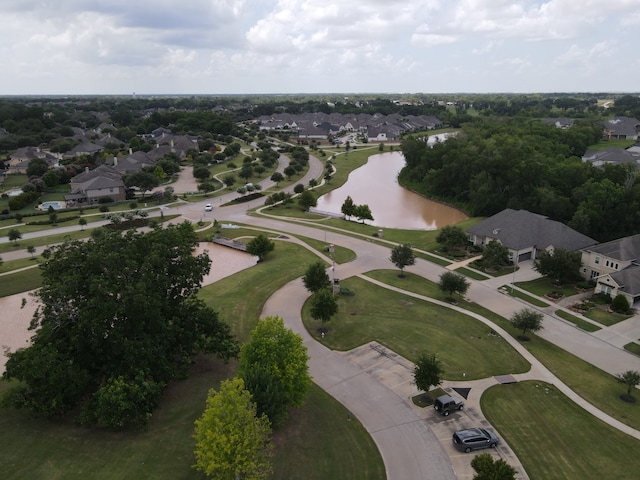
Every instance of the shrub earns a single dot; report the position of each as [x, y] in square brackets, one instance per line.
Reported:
[104, 208]
[104, 200]
[620, 304]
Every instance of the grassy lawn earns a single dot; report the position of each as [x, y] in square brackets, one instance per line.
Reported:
[19, 282]
[541, 286]
[409, 326]
[514, 292]
[556, 439]
[577, 321]
[633, 347]
[604, 317]
[17, 264]
[467, 272]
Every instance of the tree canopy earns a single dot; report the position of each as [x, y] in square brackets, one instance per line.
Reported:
[232, 441]
[488, 468]
[275, 357]
[323, 305]
[402, 256]
[451, 237]
[260, 246]
[452, 282]
[527, 320]
[561, 265]
[316, 277]
[427, 372]
[120, 318]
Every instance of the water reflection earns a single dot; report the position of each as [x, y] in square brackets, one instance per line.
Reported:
[375, 184]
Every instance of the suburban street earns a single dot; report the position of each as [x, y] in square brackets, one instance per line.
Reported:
[413, 442]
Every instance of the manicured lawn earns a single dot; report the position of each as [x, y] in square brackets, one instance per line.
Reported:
[604, 317]
[17, 264]
[633, 347]
[577, 321]
[20, 282]
[541, 286]
[556, 439]
[409, 326]
[514, 292]
[471, 273]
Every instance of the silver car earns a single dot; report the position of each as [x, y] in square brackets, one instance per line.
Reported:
[474, 439]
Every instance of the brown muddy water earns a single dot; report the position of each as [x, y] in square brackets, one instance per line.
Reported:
[392, 206]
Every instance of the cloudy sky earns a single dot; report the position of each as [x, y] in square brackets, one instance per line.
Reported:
[318, 46]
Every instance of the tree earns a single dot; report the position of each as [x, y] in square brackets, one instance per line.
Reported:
[489, 469]
[561, 265]
[363, 212]
[402, 256]
[277, 177]
[316, 278]
[232, 441]
[201, 173]
[451, 282]
[37, 167]
[527, 320]
[620, 304]
[32, 250]
[495, 255]
[323, 305]
[427, 372]
[276, 357]
[348, 207]
[260, 246]
[299, 188]
[229, 180]
[452, 237]
[307, 200]
[289, 171]
[631, 378]
[14, 235]
[143, 180]
[117, 310]
[82, 222]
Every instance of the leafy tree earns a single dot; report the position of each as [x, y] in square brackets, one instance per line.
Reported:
[495, 255]
[260, 246]
[277, 177]
[316, 278]
[246, 172]
[402, 256]
[82, 222]
[348, 208]
[631, 378]
[14, 235]
[427, 372]
[452, 282]
[363, 212]
[527, 320]
[289, 171]
[145, 181]
[276, 358]
[37, 167]
[232, 441]
[323, 305]
[452, 237]
[229, 180]
[307, 200]
[201, 173]
[489, 469]
[32, 250]
[562, 266]
[117, 309]
[299, 188]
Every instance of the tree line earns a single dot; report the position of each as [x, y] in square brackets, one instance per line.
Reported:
[522, 163]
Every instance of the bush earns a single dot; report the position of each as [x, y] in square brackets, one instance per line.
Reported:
[104, 200]
[24, 199]
[104, 208]
[620, 304]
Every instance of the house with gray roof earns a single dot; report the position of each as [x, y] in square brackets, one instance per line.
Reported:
[615, 267]
[525, 234]
[21, 158]
[624, 128]
[89, 187]
[85, 148]
[612, 156]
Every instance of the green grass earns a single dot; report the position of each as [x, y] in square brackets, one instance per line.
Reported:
[19, 282]
[556, 439]
[578, 322]
[604, 317]
[409, 326]
[12, 265]
[514, 292]
[471, 273]
[543, 285]
[633, 347]
[239, 299]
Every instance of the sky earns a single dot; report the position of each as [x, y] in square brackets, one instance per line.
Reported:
[121, 47]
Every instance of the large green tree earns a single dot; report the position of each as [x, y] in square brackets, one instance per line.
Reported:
[323, 305]
[232, 440]
[560, 265]
[452, 237]
[488, 468]
[273, 365]
[452, 282]
[495, 255]
[402, 256]
[260, 246]
[145, 181]
[348, 207]
[316, 277]
[120, 318]
[527, 320]
[427, 372]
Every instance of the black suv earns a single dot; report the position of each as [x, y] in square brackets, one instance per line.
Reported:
[445, 404]
[474, 439]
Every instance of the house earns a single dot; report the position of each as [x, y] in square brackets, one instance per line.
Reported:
[20, 159]
[85, 148]
[134, 162]
[614, 266]
[89, 187]
[611, 155]
[559, 122]
[624, 128]
[525, 234]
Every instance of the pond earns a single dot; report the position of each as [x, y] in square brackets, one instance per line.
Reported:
[392, 206]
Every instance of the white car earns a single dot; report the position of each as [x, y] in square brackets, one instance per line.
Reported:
[208, 207]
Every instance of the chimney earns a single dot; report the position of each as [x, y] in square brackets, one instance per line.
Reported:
[130, 150]
[86, 169]
[115, 161]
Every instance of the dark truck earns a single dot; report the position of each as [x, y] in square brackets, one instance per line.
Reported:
[445, 404]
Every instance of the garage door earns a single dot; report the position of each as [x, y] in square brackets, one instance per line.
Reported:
[524, 256]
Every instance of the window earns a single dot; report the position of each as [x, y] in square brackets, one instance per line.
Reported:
[597, 260]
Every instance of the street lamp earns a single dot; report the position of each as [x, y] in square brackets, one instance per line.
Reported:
[515, 267]
[333, 268]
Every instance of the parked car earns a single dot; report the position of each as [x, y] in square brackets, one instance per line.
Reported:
[208, 207]
[445, 404]
[474, 439]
